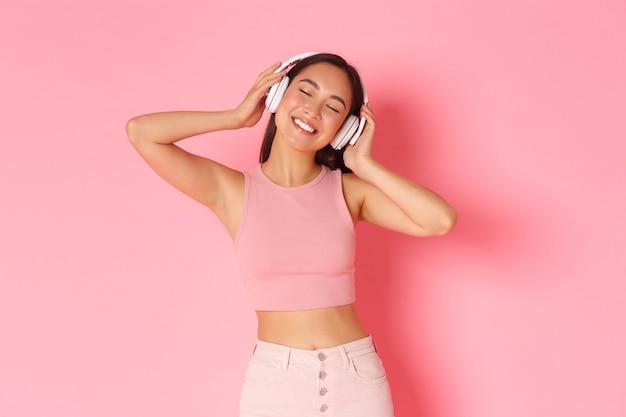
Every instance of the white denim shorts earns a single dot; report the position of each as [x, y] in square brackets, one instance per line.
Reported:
[342, 381]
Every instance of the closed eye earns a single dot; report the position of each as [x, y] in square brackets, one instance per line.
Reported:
[313, 84]
[332, 108]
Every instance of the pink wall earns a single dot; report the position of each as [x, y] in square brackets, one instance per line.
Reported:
[119, 296]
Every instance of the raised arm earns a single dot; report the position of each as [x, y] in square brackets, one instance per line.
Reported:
[216, 186]
[154, 136]
[380, 196]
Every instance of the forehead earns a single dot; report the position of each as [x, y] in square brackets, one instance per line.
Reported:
[331, 79]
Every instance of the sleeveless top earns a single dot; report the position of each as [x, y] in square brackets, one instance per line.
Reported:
[295, 246]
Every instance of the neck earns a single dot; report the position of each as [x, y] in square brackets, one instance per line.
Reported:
[291, 169]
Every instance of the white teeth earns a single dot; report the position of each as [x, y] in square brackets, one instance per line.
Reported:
[304, 125]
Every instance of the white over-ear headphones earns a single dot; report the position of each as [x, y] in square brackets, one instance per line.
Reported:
[351, 129]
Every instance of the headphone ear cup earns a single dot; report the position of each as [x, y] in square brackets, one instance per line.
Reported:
[358, 131]
[276, 94]
[345, 132]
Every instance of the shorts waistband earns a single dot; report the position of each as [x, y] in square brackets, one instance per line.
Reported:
[327, 356]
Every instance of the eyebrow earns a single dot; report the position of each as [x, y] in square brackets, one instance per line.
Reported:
[317, 87]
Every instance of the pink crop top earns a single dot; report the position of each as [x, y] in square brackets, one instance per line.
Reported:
[295, 246]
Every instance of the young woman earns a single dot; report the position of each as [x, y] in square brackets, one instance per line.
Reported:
[292, 222]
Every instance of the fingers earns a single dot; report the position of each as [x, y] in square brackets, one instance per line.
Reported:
[272, 68]
[270, 76]
[366, 111]
[264, 81]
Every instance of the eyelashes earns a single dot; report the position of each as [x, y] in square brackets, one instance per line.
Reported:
[328, 106]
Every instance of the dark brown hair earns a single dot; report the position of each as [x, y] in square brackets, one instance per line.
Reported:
[328, 156]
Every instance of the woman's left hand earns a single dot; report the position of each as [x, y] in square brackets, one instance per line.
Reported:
[388, 199]
[361, 152]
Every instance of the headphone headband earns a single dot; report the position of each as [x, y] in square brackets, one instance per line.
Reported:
[293, 60]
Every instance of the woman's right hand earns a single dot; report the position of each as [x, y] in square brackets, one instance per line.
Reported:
[251, 108]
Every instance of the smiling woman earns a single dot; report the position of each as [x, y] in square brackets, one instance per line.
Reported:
[311, 112]
[350, 102]
[292, 219]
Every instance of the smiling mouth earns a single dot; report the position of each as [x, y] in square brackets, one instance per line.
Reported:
[304, 126]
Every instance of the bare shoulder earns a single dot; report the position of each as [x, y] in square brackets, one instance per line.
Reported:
[354, 191]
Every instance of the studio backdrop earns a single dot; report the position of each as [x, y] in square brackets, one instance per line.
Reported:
[119, 296]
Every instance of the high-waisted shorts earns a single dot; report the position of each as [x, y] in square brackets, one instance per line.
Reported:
[342, 381]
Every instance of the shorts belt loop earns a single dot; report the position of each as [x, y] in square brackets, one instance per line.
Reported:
[344, 357]
[285, 363]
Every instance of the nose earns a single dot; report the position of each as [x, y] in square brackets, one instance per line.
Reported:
[313, 110]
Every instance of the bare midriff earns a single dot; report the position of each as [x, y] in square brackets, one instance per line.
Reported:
[311, 329]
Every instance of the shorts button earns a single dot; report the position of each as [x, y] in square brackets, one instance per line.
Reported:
[321, 356]
[323, 408]
[323, 391]
[322, 374]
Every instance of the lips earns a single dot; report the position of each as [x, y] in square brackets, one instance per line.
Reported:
[304, 125]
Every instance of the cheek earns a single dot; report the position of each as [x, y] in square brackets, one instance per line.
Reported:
[292, 98]
[337, 122]
[280, 118]
[287, 104]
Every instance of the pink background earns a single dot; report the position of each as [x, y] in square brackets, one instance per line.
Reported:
[119, 296]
